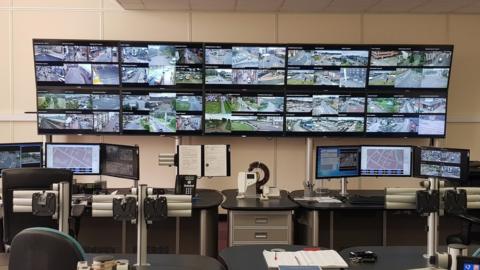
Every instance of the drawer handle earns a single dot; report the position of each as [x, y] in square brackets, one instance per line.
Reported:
[261, 220]
[261, 235]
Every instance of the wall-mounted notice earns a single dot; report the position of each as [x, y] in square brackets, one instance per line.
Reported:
[216, 160]
[190, 160]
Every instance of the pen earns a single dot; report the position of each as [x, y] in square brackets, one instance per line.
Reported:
[297, 259]
[275, 255]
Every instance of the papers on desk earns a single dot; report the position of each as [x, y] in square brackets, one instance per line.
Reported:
[319, 199]
[321, 258]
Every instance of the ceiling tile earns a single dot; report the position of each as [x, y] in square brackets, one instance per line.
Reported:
[442, 6]
[350, 6]
[305, 5]
[395, 6]
[133, 6]
[212, 5]
[258, 5]
[474, 8]
[167, 4]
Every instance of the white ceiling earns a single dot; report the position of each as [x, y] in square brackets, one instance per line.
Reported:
[326, 6]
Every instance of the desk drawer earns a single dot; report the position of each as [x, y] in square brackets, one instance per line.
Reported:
[260, 220]
[259, 235]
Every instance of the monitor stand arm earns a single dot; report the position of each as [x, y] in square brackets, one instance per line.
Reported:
[343, 187]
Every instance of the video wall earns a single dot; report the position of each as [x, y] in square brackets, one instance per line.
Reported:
[188, 88]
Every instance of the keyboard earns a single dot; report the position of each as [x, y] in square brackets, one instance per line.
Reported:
[375, 200]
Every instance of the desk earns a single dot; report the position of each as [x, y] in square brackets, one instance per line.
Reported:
[255, 221]
[342, 225]
[170, 262]
[250, 256]
[194, 235]
[391, 258]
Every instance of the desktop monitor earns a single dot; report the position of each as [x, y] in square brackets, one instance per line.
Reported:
[448, 163]
[386, 160]
[337, 161]
[79, 158]
[120, 161]
[20, 155]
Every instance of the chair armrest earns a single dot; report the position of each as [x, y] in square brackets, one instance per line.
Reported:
[470, 218]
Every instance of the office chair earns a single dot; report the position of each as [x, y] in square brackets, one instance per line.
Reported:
[28, 179]
[44, 249]
[470, 224]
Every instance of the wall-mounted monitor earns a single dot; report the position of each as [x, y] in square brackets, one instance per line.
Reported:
[325, 114]
[408, 115]
[386, 160]
[410, 67]
[164, 65]
[337, 161]
[245, 65]
[76, 63]
[120, 161]
[79, 158]
[244, 113]
[78, 111]
[448, 163]
[311, 66]
[20, 155]
[148, 112]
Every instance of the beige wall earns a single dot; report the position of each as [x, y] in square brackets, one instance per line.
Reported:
[22, 20]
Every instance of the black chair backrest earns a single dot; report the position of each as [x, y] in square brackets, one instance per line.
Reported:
[44, 249]
[28, 179]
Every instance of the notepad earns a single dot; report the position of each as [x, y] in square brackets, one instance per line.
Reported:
[320, 258]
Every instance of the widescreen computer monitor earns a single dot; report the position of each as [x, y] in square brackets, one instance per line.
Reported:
[79, 158]
[386, 160]
[337, 161]
[20, 155]
[448, 163]
[120, 161]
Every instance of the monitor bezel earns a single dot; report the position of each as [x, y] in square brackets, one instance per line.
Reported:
[319, 147]
[370, 145]
[91, 144]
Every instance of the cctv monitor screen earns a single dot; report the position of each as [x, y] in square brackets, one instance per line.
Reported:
[167, 65]
[120, 161]
[442, 162]
[78, 111]
[79, 158]
[416, 67]
[76, 63]
[242, 113]
[245, 66]
[412, 115]
[386, 161]
[327, 66]
[337, 161]
[20, 155]
[325, 114]
[146, 112]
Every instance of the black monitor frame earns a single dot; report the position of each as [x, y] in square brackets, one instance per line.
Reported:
[89, 144]
[32, 144]
[411, 161]
[136, 161]
[463, 165]
[336, 147]
[284, 89]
